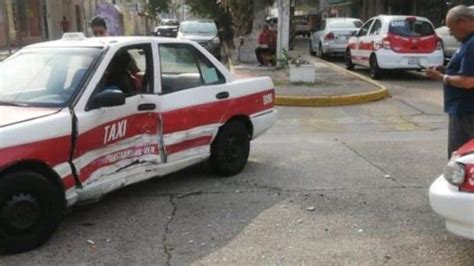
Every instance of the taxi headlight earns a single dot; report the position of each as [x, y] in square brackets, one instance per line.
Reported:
[454, 173]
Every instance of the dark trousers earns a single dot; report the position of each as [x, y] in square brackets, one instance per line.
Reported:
[460, 131]
[261, 51]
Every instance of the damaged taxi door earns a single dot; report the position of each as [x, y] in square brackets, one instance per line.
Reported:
[117, 127]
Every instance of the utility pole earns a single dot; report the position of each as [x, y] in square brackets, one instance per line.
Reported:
[283, 37]
[6, 23]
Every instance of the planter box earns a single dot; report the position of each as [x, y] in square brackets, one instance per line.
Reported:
[303, 73]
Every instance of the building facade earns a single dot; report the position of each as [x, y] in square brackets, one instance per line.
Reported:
[24, 22]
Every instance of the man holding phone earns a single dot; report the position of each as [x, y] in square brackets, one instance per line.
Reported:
[458, 78]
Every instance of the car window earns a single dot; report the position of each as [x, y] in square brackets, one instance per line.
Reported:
[129, 71]
[411, 28]
[198, 27]
[365, 28]
[184, 67]
[45, 77]
[376, 28]
[169, 23]
[343, 24]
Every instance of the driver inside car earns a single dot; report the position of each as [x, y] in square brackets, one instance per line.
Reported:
[118, 73]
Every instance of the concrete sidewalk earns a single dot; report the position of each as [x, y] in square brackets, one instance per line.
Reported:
[333, 86]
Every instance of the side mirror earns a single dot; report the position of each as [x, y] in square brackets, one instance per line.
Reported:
[107, 98]
[355, 33]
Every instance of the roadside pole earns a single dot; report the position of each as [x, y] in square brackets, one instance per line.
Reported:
[283, 29]
[3, 6]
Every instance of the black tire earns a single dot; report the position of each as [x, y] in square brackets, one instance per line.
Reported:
[230, 150]
[31, 208]
[320, 52]
[375, 71]
[348, 60]
[311, 52]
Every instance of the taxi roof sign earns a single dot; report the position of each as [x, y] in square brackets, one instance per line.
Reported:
[74, 36]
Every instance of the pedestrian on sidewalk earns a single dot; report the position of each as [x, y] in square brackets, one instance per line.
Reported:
[99, 27]
[458, 78]
[65, 25]
[266, 45]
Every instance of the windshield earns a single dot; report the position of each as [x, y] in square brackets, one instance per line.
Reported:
[344, 24]
[169, 23]
[44, 77]
[411, 28]
[198, 27]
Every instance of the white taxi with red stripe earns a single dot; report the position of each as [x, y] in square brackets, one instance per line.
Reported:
[394, 42]
[82, 117]
[452, 194]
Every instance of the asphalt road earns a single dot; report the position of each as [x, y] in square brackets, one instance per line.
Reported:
[326, 185]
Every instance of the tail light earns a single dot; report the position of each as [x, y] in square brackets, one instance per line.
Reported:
[385, 43]
[329, 36]
[468, 184]
[439, 44]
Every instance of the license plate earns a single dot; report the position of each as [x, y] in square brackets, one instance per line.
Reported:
[413, 60]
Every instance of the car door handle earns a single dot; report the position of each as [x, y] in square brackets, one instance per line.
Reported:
[222, 95]
[146, 106]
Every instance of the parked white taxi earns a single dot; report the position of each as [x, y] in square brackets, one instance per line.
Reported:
[452, 194]
[394, 42]
[82, 117]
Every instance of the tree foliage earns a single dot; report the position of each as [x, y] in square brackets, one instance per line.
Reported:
[159, 5]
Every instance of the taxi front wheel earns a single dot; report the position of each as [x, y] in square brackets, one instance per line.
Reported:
[230, 149]
[30, 211]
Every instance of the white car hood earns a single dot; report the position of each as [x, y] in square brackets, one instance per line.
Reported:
[13, 114]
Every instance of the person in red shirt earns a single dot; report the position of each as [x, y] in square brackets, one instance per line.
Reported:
[266, 44]
[65, 25]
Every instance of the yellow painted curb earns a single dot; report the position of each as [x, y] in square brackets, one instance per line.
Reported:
[349, 99]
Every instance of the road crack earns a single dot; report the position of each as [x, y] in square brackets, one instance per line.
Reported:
[389, 177]
[167, 249]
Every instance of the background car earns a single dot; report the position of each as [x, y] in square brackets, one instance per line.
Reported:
[452, 194]
[167, 28]
[450, 44]
[332, 36]
[302, 27]
[203, 32]
[394, 42]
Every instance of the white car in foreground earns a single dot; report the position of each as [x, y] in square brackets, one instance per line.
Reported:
[82, 117]
[452, 194]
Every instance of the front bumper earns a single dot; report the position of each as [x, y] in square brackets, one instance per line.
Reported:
[388, 59]
[457, 208]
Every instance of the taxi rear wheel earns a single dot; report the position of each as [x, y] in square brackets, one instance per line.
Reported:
[348, 60]
[230, 149]
[31, 208]
[375, 71]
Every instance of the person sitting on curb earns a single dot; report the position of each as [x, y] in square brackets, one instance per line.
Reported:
[266, 45]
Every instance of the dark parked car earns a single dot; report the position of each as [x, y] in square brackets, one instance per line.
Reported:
[167, 28]
[203, 32]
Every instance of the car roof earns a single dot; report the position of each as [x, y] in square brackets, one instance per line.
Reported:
[100, 42]
[388, 18]
[198, 21]
[341, 18]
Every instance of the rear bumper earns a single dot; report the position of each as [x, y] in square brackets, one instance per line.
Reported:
[262, 122]
[457, 208]
[332, 47]
[387, 59]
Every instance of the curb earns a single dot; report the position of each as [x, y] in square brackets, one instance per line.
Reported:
[349, 99]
